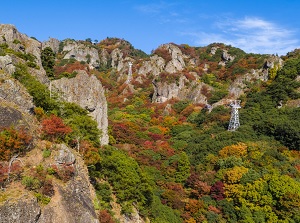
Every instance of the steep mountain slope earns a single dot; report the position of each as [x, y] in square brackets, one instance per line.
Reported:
[161, 151]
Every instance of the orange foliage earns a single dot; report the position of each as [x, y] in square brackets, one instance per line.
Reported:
[214, 209]
[90, 153]
[188, 110]
[13, 141]
[190, 220]
[193, 206]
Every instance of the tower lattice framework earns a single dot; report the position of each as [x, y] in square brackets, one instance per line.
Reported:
[234, 122]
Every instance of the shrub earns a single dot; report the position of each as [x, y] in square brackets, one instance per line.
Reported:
[31, 183]
[13, 141]
[46, 153]
[54, 128]
[42, 198]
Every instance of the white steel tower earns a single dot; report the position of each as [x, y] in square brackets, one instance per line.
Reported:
[234, 120]
[129, 73]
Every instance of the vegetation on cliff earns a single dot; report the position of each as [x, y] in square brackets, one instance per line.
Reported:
[173, 161]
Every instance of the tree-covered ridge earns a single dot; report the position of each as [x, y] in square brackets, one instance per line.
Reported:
[174, 161]
[227, 176]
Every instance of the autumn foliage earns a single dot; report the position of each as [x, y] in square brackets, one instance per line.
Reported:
[53, 128]
[13, 141]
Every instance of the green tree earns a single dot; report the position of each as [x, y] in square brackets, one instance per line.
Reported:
[48, 61]
[183, 168]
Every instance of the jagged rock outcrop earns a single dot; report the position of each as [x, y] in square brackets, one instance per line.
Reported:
[52, 43]
[22, 43]
[87, 92]
[177, 62]
[6, 64]
[157, 64]
[11, 91]
[72, 201]
[20, 210]
[65, 156]
[153, 66]
[81, 52]
[117, 59]
[9, 116]
[238, 86]
[227, 57]
[183, 90]
[272, 61]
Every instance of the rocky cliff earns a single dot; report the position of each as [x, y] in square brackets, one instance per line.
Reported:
[88, 92]
[81, 52]
[25, 48]
[72, 199]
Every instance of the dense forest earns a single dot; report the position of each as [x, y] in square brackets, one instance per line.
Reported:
[179, 164]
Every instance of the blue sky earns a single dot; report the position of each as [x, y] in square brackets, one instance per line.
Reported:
[255, 26]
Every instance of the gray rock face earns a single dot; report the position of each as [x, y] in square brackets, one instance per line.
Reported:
[116, 59]
[9, 116]
[52, 43]
[177, 63]
[13, 92]
[213, 50]
[183, 90]
[65, 156]
[154, 66]
[72, 200]
[6, 64]
[87, 92]
[227, 57]
[9, 34]
[23, 210]
[81, 52]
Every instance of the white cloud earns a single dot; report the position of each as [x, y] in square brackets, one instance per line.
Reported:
[251, 34]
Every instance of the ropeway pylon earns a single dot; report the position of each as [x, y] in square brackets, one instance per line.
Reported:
[234, 122]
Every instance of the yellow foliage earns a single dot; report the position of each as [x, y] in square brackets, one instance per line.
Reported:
[235, 174]
[238, 150]
[169, 121]
[233, 191]
[190, 220]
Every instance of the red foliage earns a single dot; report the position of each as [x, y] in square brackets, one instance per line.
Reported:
[164, 53]
[187, 50]
[13, 141]
[189, 76]
[217, 191]
[64, 172]
[54, 128]
[47, 188]
[15, 171]
[69, 68]
[164, 148]
[155, 136]
[105, 217]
